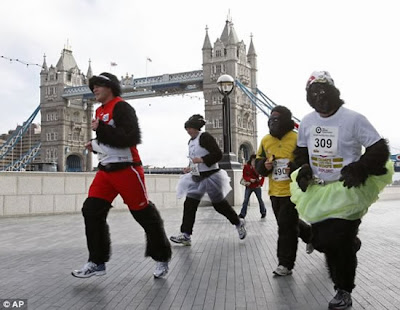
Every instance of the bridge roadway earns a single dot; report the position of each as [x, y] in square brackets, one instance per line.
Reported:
[218, 271]
[152, 86]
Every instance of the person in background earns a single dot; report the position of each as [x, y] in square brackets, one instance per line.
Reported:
[120, 172]
[202, 176]
[255, 181]
[274, 159]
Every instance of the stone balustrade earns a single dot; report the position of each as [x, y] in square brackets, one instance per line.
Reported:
[33, 193]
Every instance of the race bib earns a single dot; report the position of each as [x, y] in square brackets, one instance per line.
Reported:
[324, 140]
[280, 171]
[194, 168]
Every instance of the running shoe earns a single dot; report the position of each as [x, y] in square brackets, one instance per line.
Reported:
[241, 229]
[309, 248]
[161, 269]
[182, 239]
[282, 271]
[90, 269]
[341, 301]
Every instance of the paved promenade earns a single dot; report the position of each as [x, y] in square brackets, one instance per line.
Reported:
[218, 271]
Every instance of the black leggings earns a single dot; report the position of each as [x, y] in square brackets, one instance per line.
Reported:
[157, 245]
[95, 211]
[337, 238]
[190, 208]
[289, 229]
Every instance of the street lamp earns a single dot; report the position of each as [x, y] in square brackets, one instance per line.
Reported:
[226, 84]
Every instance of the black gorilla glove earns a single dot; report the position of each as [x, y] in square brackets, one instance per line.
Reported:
[304, 177]
[260, 167]
[353, 175]
[292, 167]
[372, 162]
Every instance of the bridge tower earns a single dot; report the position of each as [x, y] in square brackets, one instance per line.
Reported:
[65, 122]
[228, 56]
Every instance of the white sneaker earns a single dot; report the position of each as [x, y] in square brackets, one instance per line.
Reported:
[309, 248]
[241, 229]
[282, 271]
[161, 269]
[182, 239]
[90, 269]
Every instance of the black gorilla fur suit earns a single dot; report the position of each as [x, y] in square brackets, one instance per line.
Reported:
[372, 162]
[335, 237]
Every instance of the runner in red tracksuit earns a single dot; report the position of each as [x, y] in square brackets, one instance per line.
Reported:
[256, 182]
[120, 172]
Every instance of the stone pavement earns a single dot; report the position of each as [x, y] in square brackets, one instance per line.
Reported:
[218, 271]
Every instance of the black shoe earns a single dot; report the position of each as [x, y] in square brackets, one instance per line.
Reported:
[241, 216]
[263, 215]
[341, 301]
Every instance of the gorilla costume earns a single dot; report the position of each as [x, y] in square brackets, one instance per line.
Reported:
[120, 172]
[278, 147]
[336, 184]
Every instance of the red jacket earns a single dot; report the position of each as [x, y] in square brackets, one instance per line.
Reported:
[118, 126]
[250, 173]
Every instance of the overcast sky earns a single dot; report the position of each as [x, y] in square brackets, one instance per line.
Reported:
[356, 41]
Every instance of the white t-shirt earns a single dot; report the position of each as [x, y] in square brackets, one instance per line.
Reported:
[336, 141]
[196, 150]
[107, 154]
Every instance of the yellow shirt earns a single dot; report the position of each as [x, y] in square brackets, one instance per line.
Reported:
[281, 149]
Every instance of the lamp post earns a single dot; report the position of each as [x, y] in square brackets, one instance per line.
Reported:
[226, 84]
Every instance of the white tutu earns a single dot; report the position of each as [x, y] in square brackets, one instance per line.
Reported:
[216, 186]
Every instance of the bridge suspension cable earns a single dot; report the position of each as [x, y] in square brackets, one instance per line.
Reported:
[262, 102]
[14, 139]
[263, 106]
[21, 163]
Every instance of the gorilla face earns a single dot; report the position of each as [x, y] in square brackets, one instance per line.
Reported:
[279, 124]
[274, 123]
[324, 98]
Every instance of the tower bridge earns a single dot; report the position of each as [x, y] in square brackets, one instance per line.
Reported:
[66, 102]
[153, 86]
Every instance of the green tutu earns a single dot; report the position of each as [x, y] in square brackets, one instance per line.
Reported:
[333, 200]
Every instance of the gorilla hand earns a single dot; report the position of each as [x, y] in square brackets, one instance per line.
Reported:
[304, 177]
[353, 175]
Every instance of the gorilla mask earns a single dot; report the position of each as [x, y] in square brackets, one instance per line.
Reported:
[280, 122]
[324, 98]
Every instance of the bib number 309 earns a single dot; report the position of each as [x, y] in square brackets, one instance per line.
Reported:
[324, 140]
[318, 142]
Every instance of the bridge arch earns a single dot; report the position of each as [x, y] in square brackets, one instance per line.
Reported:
[245, 150]
[74, 163]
